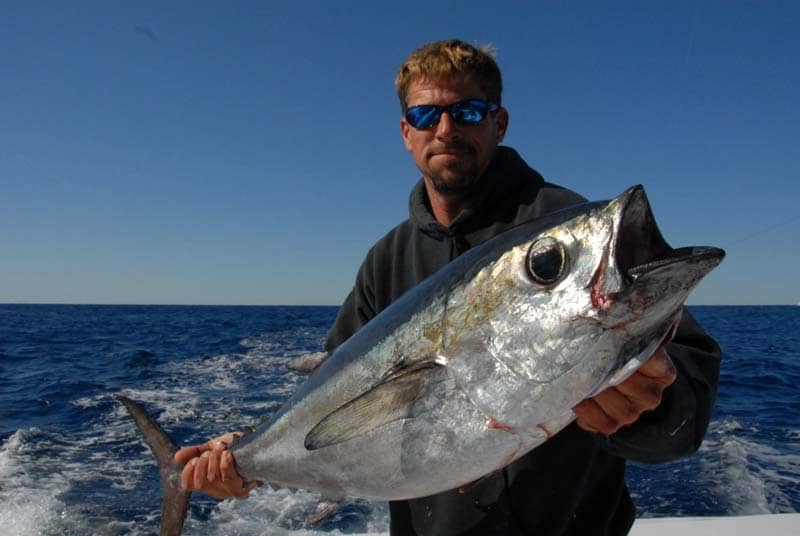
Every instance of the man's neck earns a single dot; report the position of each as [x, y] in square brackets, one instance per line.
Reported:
[445, 207]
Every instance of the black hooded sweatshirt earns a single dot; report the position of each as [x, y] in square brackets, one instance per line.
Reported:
[574, 483]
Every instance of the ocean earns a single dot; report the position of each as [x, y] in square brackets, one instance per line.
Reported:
[71, 461]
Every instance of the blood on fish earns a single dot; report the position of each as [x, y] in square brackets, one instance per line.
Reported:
[547, 432]
[600, 300]
[494, 424]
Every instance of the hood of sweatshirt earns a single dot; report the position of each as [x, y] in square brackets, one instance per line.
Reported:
[506, 175]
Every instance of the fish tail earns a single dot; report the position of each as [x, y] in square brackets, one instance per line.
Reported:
[176, 501]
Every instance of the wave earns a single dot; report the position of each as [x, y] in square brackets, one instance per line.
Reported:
[750, 475]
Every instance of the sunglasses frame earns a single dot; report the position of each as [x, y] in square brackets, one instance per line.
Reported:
[482, 107]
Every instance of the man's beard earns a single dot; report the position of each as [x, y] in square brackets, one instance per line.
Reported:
[461, 185]
[462, 175]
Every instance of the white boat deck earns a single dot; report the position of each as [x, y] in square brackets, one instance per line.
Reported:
[757, 525]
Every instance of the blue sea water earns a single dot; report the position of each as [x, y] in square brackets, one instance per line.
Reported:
[72, 463]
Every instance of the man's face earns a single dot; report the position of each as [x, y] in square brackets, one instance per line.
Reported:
[450, 156]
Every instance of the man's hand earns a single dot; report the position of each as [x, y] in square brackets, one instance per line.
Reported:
[210, 469]
[623, 404]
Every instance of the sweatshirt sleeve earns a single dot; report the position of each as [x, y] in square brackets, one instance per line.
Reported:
[676, 427]
[358, 308]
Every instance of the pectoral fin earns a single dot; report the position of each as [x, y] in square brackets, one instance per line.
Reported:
[389, 401]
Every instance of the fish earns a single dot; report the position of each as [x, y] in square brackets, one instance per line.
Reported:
[474, 367]
[307, 362]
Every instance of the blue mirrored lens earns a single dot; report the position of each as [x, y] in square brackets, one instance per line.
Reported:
[468, 113]
[424, 116]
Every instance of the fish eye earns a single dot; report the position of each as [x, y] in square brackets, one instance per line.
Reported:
[547, 261]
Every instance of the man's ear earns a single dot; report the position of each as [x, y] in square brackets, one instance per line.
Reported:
[405, 131]
[501, 123]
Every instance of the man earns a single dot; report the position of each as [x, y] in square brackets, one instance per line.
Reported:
[471, 190]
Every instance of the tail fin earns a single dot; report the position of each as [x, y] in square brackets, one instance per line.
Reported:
[176, 501]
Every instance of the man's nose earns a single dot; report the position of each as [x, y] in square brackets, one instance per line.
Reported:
[447, 129]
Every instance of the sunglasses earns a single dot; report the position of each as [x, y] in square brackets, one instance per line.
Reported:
[467, 112]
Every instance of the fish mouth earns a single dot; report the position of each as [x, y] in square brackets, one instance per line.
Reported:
[642, 282]
[641, 250]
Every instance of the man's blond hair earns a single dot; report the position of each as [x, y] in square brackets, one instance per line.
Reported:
[445, 59]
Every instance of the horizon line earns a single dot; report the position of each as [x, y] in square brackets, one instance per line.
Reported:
[130, 304]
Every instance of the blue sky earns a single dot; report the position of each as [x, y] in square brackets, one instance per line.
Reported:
[249, 152]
